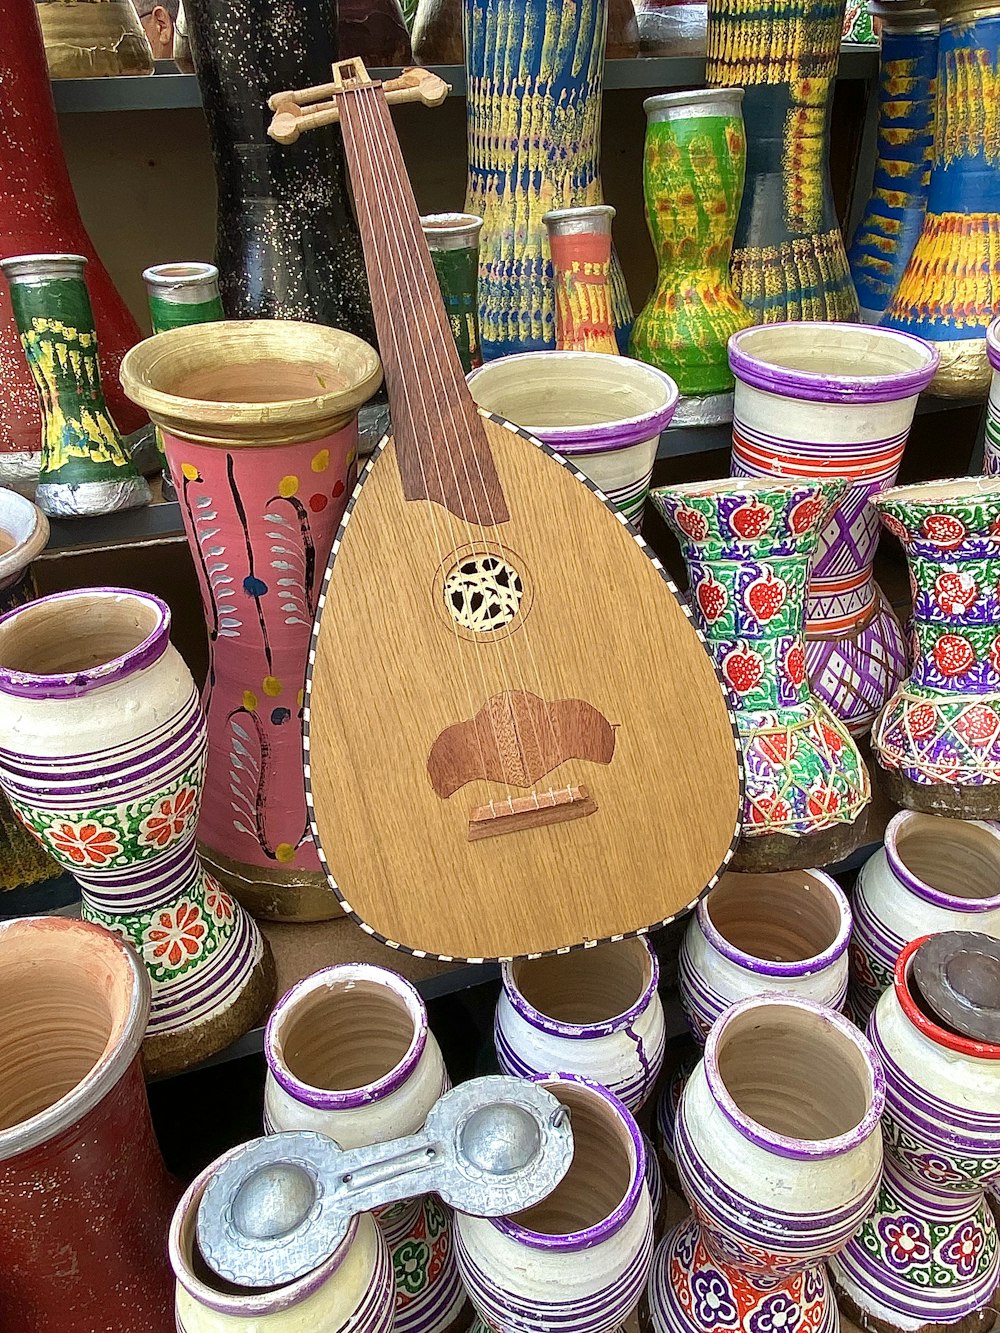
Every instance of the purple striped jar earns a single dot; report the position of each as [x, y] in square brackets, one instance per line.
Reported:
[102, 755]
[779, 1155]
[350, 1292]
[578, 1262]
[350, 1054]
[837, 401]
[932, 874]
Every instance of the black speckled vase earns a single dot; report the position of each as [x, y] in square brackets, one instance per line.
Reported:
[287, 246]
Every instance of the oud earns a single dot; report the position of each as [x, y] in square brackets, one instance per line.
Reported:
[515, 739]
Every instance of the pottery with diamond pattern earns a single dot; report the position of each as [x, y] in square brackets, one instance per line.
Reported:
[748, 544]
[938, 737]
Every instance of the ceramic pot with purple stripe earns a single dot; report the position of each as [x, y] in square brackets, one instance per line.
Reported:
[350, 1054]
[350, 1292]
[932, 874]
[102, 755]
[779, 1155]
[578, 1262]
[837, 402]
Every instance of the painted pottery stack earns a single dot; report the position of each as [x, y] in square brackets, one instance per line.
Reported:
[789, 260]
[84, 1196]
[350, 1055]
[836, 404]
[695, 158]
[892, 221]
[453, 240]
[780, 1157]
[748, 545]
[938, 737]
[259, 422]
[933, 874]
[87, 39]
[580, 245]
[102, 754]
[927, 1257]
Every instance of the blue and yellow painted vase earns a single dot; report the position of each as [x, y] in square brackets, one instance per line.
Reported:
[789, 261]
[950, 289]
[892, 221]
[536, 74]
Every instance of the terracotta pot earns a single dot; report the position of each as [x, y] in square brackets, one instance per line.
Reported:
[88, 39]
[263, 460]
[350, 1055]
[84, 1196]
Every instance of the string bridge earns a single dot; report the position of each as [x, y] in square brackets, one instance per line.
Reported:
[525, 812]
[302, 109]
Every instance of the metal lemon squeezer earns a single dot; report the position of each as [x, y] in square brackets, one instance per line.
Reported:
[280, 1205]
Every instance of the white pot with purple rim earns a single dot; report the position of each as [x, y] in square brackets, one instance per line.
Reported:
[931, 874]
[835, 400]
[577, 1262]
[991, 456]
[603, 413]
[350, 1054]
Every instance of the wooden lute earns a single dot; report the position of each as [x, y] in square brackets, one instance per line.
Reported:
[516, 741]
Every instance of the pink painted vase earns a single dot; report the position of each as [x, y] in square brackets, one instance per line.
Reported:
[263, 464]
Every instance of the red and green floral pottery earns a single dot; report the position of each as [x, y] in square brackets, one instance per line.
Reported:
[927, 1257]
[102, 756]
[748, 544]
[938, 737]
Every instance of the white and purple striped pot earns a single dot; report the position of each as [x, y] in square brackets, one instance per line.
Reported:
[928, 1254]
[605, 413]
[350, 1055]
[991, 455]
[836, 400]
[779, 1155]
[102, 755]
[578, 1262]
[351, 1291]
[932, 874]
[595, 1012]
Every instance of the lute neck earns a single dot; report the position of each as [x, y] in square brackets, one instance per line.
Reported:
[441, 446]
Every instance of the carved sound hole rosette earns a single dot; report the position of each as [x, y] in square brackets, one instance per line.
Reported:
[483, 591]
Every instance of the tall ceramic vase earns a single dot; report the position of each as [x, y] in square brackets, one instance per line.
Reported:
[748, 545]
[950, 289]
[579, 1260]
[789, 260]
[350, 1055]
[938, 737]
[38, 215]
[928, 1257]
[892, 221]
[780, 1156]
[102, 754]
[85, 466]
[836, 404]
[536, 74]
[695, 156]
[580, 245]
[263, 464]
[453, 240]
[88, 39]
[84, 1196]
[286, 245]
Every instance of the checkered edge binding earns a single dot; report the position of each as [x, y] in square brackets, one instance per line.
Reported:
[306, 714]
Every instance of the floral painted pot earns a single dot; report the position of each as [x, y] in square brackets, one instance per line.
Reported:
[263, 464]
[991, 459]
[580, 246]
[933, 874]
[927, 1257]
[938, 737]
[349, 1054]
[350, 1292]
[102, 756]
[836, 404]
[779, 1156]
[595, 1012]
[606, 415]
[84, 1196]
[748, 545]
[578, 1261]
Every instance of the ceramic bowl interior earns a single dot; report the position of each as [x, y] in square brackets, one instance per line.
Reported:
[956, 857]
[788, 1068]
[347, 1036]
[970, 489]
[835, 350]
[588, 986]
[552, 390]
[780, 918]
[59, 635]
[600, 1174]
